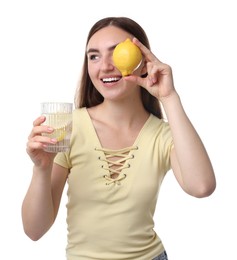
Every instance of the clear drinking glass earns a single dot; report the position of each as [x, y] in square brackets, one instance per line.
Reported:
[58, 116]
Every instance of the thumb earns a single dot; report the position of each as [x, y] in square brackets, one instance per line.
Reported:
[135, 79]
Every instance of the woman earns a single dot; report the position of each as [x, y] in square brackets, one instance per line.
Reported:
[121, 149]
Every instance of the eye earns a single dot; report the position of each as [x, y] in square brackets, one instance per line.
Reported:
[93, 57]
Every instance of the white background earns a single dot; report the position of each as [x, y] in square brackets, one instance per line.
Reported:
[41, 52]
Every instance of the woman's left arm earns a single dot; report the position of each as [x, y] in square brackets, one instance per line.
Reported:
[189, 159]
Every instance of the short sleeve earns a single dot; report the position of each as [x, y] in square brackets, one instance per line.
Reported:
[62, 159]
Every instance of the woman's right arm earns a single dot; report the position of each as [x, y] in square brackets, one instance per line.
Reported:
[42, 200]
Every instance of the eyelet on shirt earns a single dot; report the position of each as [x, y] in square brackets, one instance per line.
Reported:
[116, 180]
[115, 167]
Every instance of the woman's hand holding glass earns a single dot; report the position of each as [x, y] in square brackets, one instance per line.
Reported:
[37, 143]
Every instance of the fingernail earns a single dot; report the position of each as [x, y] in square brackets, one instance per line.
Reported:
[153, 80]
[53, 140]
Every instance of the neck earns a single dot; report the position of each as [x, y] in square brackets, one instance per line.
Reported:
[124, 113]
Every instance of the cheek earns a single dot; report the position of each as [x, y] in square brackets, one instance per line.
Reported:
[90, 70]
[93, 70]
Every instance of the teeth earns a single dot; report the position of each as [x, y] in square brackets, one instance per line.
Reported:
[110, 79]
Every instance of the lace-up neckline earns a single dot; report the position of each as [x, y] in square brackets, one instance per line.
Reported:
[115, 161]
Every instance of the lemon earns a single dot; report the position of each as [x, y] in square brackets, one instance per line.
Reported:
[126, 57]
[61, 123]
[59, 133]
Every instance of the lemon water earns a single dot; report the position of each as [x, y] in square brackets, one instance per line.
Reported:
[62, 125]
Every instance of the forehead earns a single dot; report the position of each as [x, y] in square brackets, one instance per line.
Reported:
[108, 36]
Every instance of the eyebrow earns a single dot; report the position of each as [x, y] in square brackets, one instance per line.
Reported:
[111, 48]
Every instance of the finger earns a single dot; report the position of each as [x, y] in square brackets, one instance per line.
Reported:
[39, 130]
[152, 76]
[39, 142]
[33, 146]
[43, 139]
[149, 56]
[39, 120]
[135, 79]
[142, 82]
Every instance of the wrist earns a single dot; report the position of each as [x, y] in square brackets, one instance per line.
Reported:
[172, 106]
[42, 171]
[171, 98]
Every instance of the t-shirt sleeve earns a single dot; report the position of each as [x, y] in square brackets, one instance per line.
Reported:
[63, 160]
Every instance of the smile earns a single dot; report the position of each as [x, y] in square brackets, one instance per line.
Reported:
[109, 80]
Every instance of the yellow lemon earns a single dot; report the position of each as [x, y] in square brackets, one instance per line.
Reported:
[127, 57]
[61, 123]
[60, 133]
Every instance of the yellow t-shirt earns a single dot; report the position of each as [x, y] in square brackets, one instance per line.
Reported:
[112, 219]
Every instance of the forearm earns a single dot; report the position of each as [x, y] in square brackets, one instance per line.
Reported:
[37, 207]
[195, 166]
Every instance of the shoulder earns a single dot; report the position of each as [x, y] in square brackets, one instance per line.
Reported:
[158, 124]
[79, 111]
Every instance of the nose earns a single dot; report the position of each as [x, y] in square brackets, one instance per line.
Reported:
[107, 64]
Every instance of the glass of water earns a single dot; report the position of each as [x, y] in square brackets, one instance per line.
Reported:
[59, 117]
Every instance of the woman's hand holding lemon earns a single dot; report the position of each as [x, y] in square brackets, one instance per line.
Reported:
[159, 81]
